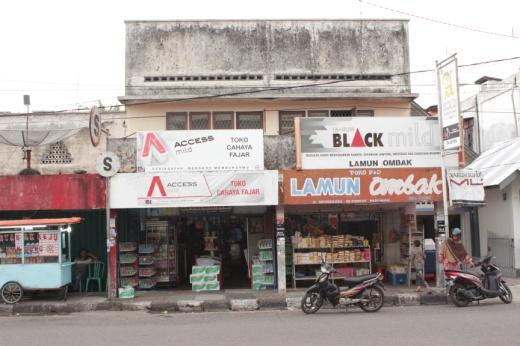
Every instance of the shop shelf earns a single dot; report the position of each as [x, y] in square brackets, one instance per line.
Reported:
[315, 264]
[146, 249]
[146, 261]
[127, 247]
[146, 284]
[127, 258]
[133, 281]
[126, 271]
[328, 249]
[147, 272]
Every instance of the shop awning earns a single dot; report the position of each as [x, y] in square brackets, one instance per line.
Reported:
[500, 164]
[43, 222]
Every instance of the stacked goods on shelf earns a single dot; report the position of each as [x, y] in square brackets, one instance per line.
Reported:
[263, 267]
[350, 255]
[205, 278]
[326, 242]
[341, 256]
[165, 263]
[147, 269]
[157, 254]
[128, 265]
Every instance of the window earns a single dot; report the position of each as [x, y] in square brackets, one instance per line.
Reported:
[287, 121]
[199, 121]
[223, 120]
[317, 114]
[364, 112]
[176, 121]
[341, 113]
[250, 120]
[10, 248]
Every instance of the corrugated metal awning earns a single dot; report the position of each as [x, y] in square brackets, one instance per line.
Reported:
[499, 163]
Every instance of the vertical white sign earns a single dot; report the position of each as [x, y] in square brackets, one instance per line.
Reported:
[448, 85]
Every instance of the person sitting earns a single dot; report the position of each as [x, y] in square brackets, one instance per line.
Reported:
[80, 267]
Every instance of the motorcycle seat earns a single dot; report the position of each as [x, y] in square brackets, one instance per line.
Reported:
[463, 271]
[359, 279]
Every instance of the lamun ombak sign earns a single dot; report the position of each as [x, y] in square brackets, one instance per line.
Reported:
[360, 186]
[361, 142]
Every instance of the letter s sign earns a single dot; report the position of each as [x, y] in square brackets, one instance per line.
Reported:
[107, 164]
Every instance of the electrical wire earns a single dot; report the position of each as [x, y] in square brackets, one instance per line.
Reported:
[273, 88]
[439, 21]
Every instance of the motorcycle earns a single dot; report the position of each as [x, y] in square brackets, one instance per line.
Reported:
[366, 291]
[465, 286]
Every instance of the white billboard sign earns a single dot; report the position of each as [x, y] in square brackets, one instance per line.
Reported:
[194, 189]
[466, 187]
[204, 150]
[385, 142]
[448, 85]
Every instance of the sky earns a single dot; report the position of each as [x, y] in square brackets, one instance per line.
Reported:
[67, 54]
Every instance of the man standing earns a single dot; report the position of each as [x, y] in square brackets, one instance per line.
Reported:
[452, 253]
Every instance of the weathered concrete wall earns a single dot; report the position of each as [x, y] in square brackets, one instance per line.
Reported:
[82, 152]
[265, 48]
[125, 149]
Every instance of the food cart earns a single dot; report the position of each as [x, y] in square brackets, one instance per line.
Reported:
[34, 256]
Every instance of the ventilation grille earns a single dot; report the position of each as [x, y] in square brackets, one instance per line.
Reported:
[202, 78]
[331, 77]
[57, 154]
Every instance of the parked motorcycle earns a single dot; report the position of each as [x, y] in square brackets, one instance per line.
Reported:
[465, 286]
[364, 291]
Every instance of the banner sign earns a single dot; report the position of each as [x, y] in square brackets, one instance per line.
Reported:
[204, 150]
[194, 189]
[466, 187]
[48, 244]
[362, 186]
[360, 142]
[448, 85]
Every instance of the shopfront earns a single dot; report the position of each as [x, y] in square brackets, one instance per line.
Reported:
[360, 220]
[200, 217]
[352, 201]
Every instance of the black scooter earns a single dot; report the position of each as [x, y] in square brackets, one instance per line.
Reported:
[364, 291]
[465, 287]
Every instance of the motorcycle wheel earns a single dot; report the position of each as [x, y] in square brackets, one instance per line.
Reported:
[506, 298]
[456, 299]
[376, 298]
[312, 302]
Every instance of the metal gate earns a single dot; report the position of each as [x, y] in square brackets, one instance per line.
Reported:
[504, 251]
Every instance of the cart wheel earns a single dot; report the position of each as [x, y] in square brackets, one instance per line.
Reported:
[12, 292]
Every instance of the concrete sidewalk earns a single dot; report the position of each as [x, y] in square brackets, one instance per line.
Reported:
[169, 301]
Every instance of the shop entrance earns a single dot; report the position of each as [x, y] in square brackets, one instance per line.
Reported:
[162, 248]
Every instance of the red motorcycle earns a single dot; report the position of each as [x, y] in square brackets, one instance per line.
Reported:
[465, 286]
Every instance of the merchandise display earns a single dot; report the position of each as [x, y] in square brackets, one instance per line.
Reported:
[128, 268]
[205, 278]
[350, 255]
[157, 255]
[263, 267]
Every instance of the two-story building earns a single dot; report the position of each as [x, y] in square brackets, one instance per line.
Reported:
[231, 75]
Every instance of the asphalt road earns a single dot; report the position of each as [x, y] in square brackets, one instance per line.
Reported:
[489, 324]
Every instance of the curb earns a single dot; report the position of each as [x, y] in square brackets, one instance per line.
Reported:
[220, 305]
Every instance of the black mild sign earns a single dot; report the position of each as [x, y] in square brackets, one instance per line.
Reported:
[384, 142]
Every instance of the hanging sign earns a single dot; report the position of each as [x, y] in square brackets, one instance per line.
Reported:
[204, 150]
[95, 126]
[360, 142]
[447, 81]
[466, 187]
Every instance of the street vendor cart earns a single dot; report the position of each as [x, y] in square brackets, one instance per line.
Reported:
[34, 256]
